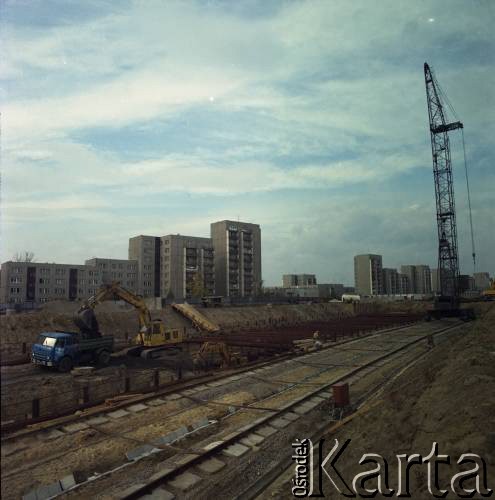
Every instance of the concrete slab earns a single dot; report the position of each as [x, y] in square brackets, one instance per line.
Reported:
[67, 482]
[173, 397]
[160, 494]
[31, 495]
[129, 491]
[50, 490]
[185, 481]
[266, 431]
[97, 420]
[252, 439]
[318, 398]
[211, 466]
[280, 423]
[216, 383]
[117, 414]
[291, 416]
[303, 408]
[235, 450]
[212, 445]
[139, 452]
[76, 427]
[50, 435]
[202, 422]
[188, 392]
[156, 402]
[157, 476]
[181, 431]
[137, 407]
[326, 394]
[163, 440]
[184, 459]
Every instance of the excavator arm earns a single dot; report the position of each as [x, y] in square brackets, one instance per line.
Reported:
[114, 290]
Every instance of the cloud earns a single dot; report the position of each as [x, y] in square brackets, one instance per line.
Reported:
[317, 128]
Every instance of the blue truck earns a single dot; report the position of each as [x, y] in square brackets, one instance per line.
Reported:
[63, 350]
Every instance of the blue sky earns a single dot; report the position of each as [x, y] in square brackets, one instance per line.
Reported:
[309, 118]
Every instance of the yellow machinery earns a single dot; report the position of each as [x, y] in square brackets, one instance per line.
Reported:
[152, 332]
[213, 354]
[489, 294]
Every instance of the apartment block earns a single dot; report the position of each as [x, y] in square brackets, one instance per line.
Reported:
[187, 266]
[391, 282]
[122, 270]
[145, 250]
[419, 278]
[368, 274]
[237, 247]
[289, 280]
[404, 284]
[41, 282]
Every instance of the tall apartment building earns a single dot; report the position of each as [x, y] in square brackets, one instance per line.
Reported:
[41, 282]
[145, 250]
[237, 258]
[187, 264]
[122, 270]
[404, 284]
[368, 274]
[419, 278]
[289, 280]
[391, 282]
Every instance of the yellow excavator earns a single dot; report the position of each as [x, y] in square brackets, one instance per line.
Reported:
[152, 335]
[489, 294]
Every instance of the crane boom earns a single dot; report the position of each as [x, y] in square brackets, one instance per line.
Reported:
[448, 259]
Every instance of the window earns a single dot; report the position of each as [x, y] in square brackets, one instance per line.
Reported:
[59, 281]
[43, 299]
[120, 275]
[44, 281]
[44, 271]
[16, 279]
[44, 291]
[82, 282]
[166, 250]
[60, 271]
[114, 266]
[46, 341]
[15, 290]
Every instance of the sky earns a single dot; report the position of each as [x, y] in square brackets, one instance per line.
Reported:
[306, 117]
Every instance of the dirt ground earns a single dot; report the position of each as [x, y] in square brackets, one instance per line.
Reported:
[447, 397]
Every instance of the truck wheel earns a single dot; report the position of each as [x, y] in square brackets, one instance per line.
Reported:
[65, 365]
[103, 358]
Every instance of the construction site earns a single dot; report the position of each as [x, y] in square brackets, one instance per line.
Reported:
[190, 381]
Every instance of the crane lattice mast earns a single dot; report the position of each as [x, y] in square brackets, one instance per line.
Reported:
[448, 260]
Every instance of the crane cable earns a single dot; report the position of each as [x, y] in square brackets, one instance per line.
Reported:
[469, 202]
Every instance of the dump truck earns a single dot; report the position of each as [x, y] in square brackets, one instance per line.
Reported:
[63, 350]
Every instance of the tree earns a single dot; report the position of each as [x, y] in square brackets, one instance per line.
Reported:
[197, 286]
[25, 256]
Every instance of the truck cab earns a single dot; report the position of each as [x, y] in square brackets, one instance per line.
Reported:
[63, 350]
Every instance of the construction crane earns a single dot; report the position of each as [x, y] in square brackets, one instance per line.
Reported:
[448, 304]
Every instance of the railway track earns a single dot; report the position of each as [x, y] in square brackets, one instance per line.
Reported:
[360, 360]
[33, 426]
[276, 420]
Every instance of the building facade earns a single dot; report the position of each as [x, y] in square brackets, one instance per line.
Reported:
[391, 282]
[122, 270]
[42, 282]
[419, 277]
[368, 274]
[289, 280]
[187, 266]
[237, 247]
[145, 250]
